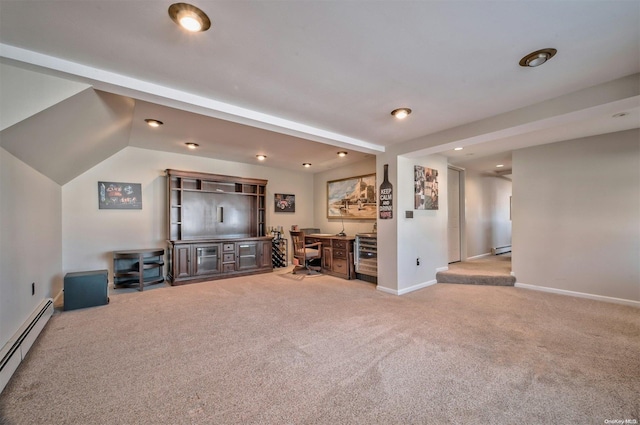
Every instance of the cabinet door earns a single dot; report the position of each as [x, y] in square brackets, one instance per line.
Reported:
[265, 254]
[247, 255]
[206, 259]
[327, 257]
[181, 261]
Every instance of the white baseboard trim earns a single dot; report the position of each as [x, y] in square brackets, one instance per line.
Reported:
[386, 290]
[406, 290]
[442, 269]
[579, 294]
[475, 257]
[15, 350]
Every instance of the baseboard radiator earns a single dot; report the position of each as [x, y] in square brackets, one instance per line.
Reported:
[501, 250]
[16, 349]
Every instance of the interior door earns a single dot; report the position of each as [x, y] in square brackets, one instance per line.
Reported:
[453, 228]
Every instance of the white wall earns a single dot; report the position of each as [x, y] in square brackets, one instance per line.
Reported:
[576, 215]
[387, 228]
[425, 235]
[91, 234]
[30, 241]
[320, 220]
[487, 212]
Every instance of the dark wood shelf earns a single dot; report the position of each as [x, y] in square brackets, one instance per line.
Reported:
[211, 233]
[138, 267]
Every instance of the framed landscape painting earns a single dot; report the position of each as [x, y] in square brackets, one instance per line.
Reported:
[352, 198]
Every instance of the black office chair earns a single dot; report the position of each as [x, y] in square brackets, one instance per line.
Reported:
[304, 254]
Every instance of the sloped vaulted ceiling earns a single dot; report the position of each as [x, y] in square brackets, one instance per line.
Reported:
[25, 93]
[70, 137]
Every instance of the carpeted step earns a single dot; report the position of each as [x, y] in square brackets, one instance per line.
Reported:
[475, 279]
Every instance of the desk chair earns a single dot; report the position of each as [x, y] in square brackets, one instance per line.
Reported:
[304, 253]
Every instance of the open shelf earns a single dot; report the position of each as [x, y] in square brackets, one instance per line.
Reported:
[138, 267]
[206, 210]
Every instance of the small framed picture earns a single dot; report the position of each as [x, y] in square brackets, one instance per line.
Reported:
[119, 196]
[284, 202]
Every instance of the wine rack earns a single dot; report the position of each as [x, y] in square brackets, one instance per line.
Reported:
[279, 252]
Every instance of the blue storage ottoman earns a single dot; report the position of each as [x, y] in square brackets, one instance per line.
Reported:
[85, 289]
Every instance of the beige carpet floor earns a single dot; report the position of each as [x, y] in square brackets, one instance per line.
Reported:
[270, 349]
[489, 270]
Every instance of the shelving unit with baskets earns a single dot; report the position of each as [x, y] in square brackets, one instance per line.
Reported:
[138, 267]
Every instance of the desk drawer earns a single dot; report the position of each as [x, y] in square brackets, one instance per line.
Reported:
[339, 253]
[340, 244]
[228, 247]
[230, 267]
[228, 258]
[340, 266]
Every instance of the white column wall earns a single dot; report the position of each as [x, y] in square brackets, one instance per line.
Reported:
[387, 229]
[425, 235]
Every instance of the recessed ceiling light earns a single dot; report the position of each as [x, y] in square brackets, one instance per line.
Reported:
[401, 113]
[261, 157]
[537, 58]
[499, 165]
[342, 154]
[306, 164]
[189, 17]
[620, 115]
[153, 123]
[191, 145]
[457, 149]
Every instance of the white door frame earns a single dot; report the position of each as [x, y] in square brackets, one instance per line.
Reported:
[462, 215]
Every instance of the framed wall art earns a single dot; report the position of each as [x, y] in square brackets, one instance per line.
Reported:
[353, 197]
[426, 188]
[284, 202]
[119, 196]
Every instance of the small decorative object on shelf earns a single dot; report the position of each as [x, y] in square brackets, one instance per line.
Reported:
[138, 267]
[279, 252]
[276, 232]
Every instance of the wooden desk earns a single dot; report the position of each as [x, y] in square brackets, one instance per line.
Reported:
[337, 253]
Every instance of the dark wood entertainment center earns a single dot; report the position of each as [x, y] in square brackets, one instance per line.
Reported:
[216, 227]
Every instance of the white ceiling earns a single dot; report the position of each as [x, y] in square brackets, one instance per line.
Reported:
[300, 80]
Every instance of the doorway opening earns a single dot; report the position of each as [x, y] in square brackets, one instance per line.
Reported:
[456, 214]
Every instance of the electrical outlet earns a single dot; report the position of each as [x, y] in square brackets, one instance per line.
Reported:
[33, 288]
[417, 261]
